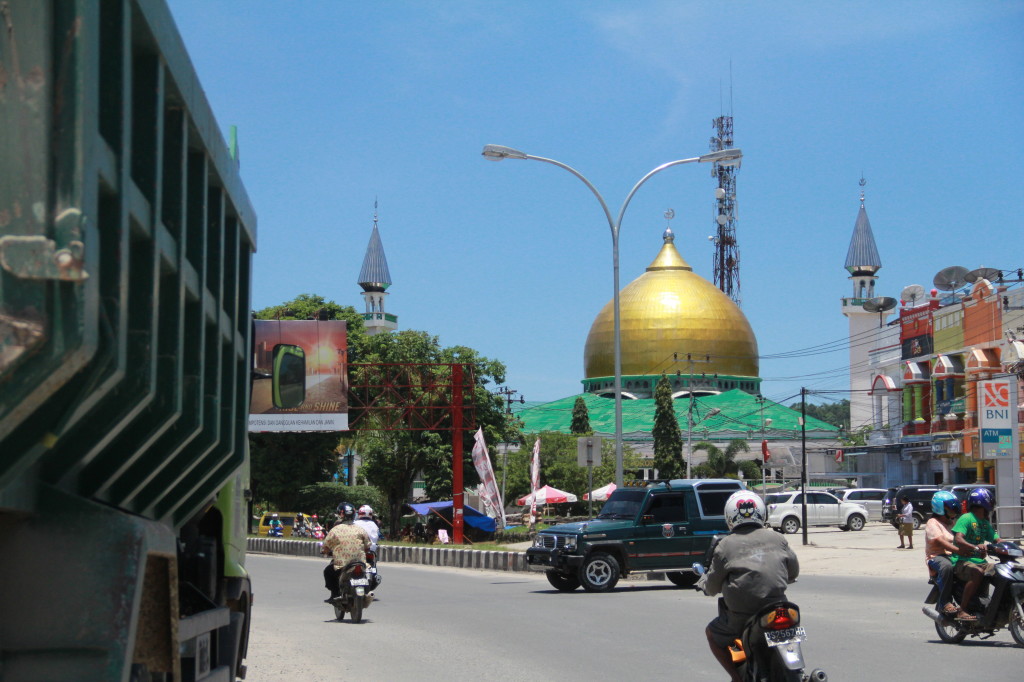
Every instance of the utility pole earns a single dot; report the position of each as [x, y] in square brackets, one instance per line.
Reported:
[803, 459]
[508, 394]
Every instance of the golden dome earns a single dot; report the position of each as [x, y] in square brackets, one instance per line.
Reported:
[670, 309]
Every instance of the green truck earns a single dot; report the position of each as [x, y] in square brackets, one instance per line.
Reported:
[660, 527]
[126, 241]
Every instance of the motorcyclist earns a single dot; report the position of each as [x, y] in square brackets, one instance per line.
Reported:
[971, 531]
[275, 526]
[939, 545]
[347, 543]
[750, 568]
[366, 522]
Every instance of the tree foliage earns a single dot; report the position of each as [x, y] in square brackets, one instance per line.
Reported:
[668, 438]
[323, 499]
[281, 463]
[721, 463]
[580, 418]
[393, 459]
[836, 414]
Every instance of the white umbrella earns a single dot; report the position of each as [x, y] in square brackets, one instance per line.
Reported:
[547, 495]
[601, 494]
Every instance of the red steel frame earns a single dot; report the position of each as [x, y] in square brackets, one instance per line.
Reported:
[417, 396]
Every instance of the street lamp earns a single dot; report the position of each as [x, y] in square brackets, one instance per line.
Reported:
[729, 157]
[689, 432]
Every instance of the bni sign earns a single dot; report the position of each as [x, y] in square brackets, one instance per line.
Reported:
[997, 412]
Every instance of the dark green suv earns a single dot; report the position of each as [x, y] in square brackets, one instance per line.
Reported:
[661, 527]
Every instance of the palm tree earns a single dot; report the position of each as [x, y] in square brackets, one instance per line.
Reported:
[720, 464]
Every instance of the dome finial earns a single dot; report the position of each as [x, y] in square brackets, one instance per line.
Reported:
[862, 183]
[669, 236]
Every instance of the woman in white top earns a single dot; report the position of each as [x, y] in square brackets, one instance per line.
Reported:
[906, 520]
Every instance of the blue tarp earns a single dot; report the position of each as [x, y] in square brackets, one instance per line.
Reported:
[472, 517]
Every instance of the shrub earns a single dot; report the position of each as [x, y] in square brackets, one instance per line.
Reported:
[323, 498]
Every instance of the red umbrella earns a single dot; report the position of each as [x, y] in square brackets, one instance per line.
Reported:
[601, 494]
[547, 495]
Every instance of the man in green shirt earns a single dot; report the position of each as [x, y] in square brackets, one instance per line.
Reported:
[970, 533]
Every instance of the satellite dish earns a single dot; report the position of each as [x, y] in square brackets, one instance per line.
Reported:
[879, 304]
[912, 293]
[951, 278]
[991, 274]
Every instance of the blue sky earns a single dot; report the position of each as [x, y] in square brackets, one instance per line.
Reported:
[341, 103]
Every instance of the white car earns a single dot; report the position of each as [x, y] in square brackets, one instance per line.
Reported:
[871, 498]
[785, 511]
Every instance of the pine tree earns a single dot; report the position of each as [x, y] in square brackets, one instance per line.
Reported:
[580, 418]
[668, 438]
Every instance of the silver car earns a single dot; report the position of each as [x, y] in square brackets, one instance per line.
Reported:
[869, 497]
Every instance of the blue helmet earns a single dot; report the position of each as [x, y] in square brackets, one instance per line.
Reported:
[980, 497]
[944, 502]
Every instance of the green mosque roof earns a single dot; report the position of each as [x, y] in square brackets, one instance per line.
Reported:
[740, 417]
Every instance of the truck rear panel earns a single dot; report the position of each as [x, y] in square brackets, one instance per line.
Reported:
[126, 239]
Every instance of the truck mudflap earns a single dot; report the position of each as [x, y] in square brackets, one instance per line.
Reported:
[541, 559]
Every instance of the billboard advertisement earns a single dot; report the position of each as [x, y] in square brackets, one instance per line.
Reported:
[300, 376]
[997, 418]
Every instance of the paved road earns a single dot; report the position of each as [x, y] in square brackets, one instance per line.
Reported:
[454, 625]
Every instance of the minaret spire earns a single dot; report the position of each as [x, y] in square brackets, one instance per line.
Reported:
[863, 264]
[374, 278]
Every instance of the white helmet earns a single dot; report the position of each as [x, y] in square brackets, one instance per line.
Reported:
[366, 510]
[744, 507]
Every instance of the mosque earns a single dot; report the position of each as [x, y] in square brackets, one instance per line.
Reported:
[674, 323]
[678, 324]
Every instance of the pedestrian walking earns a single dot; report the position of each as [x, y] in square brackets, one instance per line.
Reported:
[906, 523]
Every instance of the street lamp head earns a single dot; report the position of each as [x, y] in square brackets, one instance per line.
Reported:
[712, 412]
[723, 157]
[496, 152]
[768, 421]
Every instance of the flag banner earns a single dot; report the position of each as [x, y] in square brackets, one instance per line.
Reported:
[764, 450]
[534, 480]
[490, 496]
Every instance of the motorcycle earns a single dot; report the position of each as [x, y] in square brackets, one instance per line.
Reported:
[769, 647]
[1004, 607]
[371, 570]
[355, 592]
[275, 532]
[318, 532]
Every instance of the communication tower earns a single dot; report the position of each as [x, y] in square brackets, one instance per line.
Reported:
[727, 253]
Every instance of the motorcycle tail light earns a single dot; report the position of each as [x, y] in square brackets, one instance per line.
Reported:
[781, 618]
[370, 556]
[357, 571]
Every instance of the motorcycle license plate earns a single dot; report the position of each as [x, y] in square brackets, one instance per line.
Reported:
[788, 636]
[360, 581]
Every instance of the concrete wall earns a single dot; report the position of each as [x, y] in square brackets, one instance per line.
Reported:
[428, 555]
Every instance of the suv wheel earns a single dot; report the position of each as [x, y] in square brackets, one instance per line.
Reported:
[563, 582]
[599, 572]
[682, 578]
[790, 525]
[855, 522]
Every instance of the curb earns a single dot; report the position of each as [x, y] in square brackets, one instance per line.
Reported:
[489, 560]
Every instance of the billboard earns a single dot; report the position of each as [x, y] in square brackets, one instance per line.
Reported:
[997, 418]
[300, 376]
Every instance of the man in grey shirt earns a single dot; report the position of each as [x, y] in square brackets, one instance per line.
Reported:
[750, 568]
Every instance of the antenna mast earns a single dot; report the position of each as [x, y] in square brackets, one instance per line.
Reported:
[727, 253]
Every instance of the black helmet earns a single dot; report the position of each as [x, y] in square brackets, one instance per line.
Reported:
[346, 512]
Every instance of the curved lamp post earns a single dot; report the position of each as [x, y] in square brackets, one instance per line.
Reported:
[496, 152]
